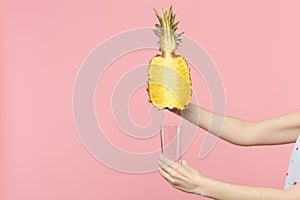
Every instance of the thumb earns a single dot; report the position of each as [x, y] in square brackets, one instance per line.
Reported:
[185, 164]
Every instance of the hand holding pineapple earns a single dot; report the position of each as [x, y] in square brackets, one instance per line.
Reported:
[169, 82]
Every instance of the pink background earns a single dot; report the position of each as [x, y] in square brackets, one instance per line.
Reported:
[255, 45]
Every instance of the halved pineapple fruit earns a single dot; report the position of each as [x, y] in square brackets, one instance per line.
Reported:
[169, 82]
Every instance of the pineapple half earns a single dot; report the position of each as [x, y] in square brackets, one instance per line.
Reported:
[169, 82]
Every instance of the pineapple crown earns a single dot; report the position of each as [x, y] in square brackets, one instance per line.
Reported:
[166, 30]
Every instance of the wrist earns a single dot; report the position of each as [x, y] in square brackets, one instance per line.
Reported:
[202, 188]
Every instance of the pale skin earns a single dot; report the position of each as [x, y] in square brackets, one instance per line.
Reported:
[282, 129]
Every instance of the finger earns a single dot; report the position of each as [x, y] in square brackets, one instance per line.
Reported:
[174, 181]
[165, 167]
[185, 164]
[181, 162]
[173, 169]
[183, 168]
[167, 161]
[174, 174]
[164, 159]
[166, 175]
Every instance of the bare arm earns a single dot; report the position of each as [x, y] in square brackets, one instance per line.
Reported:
[185, 178]
[277, 130]
[225, 191]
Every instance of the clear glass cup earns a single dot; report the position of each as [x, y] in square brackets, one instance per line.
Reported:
[170, 137]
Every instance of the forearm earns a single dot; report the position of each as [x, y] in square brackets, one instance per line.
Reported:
[224, 191]
[228, 128]
[185, 178]
[276, 130]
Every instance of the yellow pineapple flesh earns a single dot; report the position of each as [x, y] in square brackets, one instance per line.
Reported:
[169, 82]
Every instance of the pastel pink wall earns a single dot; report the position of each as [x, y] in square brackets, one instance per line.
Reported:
[255, 44]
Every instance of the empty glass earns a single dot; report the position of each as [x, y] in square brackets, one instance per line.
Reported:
[170, 137]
